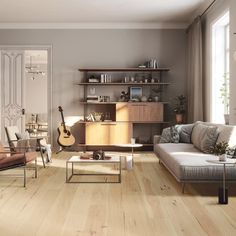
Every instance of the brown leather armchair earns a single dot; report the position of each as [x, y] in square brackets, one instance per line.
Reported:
[10, 160]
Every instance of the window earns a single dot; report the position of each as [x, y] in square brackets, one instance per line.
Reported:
[220, 70]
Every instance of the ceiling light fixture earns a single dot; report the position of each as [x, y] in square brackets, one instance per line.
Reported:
[31, 69]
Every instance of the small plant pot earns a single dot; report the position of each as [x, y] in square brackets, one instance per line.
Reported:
[179, 118]
[222, 157]
[98, 117]
[226, 116]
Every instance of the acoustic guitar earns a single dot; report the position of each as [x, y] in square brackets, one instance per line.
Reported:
[65, 138]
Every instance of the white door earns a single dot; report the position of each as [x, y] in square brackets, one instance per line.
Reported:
[12, 102]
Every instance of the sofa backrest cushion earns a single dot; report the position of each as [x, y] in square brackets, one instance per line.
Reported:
[185, 132]
[169, 135]
[227, 134]
[204, 137]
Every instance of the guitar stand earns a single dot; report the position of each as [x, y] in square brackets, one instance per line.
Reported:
[60, 150]
[64, 149]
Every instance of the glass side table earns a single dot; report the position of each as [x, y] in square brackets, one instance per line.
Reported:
[223, 192]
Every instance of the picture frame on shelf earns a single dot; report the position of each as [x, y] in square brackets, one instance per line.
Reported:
[136, 93]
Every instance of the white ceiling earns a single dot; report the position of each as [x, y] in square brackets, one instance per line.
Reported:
[88, 12]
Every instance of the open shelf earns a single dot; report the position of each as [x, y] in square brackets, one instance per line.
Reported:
[121, 84]
[106, 103]
[122, 69]
[115, 122]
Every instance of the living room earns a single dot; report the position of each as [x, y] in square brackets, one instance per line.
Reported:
[116, 78]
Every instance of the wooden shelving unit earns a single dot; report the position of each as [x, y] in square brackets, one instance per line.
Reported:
[119, 129]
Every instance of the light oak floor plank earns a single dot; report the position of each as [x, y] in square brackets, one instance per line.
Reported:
[148, 201]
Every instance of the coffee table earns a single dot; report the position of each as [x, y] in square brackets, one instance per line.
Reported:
[223, 192]
[76, 160]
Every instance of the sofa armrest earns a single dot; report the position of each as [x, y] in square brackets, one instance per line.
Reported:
[156, 139]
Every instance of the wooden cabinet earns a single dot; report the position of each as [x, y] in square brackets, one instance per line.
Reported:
[108, 133]
[139, 112]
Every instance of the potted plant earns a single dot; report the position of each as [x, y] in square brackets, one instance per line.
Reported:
[224, 95]
[220, 149]
[180, 104]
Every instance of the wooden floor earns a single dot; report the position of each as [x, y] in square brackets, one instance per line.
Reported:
[148, 202]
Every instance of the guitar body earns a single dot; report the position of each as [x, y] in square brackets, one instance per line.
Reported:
[65, 138]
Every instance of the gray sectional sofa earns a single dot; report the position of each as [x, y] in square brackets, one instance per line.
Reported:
[187, 162]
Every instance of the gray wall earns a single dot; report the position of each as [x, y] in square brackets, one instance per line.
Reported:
[73, 49]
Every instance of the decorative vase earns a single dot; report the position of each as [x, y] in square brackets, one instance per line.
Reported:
[179, 118]
[156, 98]
[222, 157]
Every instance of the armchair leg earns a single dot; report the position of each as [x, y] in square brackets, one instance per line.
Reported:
[41, 153]
[183, 187]
[24, 176]
[36, 169]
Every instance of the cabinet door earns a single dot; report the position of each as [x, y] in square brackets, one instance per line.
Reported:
[134, 112]
[95, 134]
[122, 112]
[156, 112]
[108, 133]
[121, 133]
[139, 112]
[151, 112]
[128, 111]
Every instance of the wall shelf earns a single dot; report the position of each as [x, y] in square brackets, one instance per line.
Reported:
[123, 69]
[117, 122]
[122, 84]
[107, 103]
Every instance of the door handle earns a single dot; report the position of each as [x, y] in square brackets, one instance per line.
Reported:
[23, 111]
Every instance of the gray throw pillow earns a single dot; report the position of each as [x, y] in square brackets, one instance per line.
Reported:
[185, 132]
[169, 135]
[204, 137]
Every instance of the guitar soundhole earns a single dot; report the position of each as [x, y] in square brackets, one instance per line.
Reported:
[67, 132]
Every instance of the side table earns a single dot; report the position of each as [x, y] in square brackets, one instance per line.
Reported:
[223, 192]
[132, 146]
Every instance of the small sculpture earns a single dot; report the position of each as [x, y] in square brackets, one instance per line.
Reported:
[124, 96]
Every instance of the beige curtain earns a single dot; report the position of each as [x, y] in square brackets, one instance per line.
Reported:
[194, 71]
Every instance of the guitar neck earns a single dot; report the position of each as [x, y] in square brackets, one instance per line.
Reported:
[63, 120]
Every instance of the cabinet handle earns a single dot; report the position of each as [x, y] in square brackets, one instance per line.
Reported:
[139, 105]
[108, 124]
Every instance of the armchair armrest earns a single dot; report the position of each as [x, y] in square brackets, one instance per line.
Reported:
[156, 139]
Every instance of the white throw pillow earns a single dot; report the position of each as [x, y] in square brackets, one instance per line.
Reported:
[204, 137]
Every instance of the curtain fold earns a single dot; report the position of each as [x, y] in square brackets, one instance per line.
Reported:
[194, 71]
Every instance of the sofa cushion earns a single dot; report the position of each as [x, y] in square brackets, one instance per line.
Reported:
[227, 134]
[185, 132]
[204, 137]
[169, 135]
[15, 160]
[187, 163]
